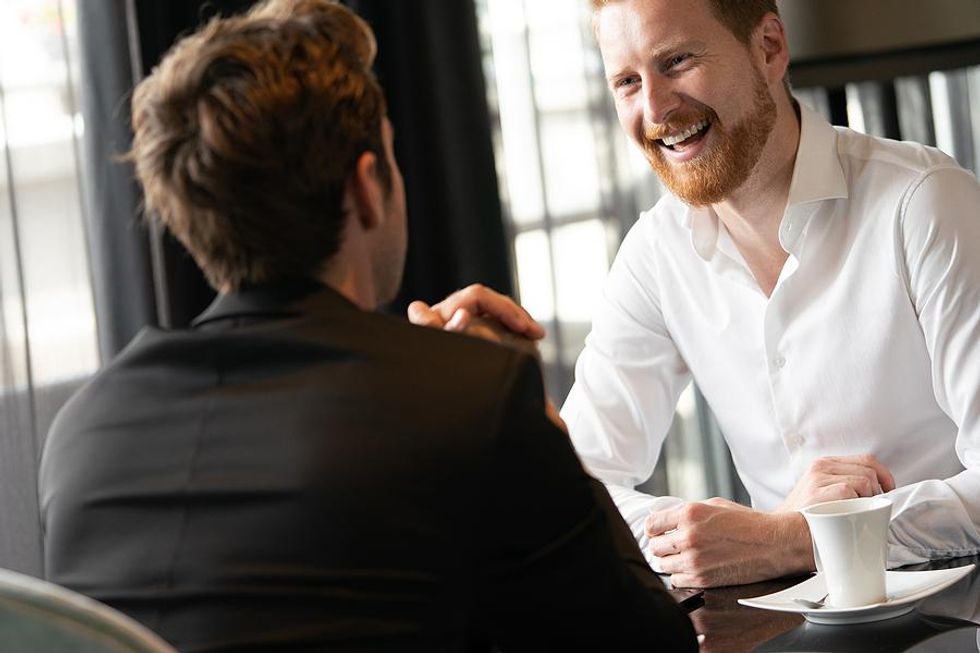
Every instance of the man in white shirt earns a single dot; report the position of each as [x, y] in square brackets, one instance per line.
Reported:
[822, 287]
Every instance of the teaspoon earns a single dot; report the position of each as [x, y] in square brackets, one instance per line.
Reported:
[813, 605]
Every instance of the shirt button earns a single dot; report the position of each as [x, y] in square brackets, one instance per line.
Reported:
[796, 440]
[779, 362]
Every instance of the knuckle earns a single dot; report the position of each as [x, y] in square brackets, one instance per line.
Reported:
[695, 561]
[693, 511]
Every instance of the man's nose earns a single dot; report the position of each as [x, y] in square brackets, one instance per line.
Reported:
[659, 101]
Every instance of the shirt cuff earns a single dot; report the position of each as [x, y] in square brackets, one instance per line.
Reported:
[634, 507]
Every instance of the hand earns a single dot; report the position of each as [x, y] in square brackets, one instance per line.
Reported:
[456, 312]
[482, 312]
[839, 477]
[552, 412]
[718, 542]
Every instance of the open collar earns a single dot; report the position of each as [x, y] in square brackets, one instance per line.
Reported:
[817, 176]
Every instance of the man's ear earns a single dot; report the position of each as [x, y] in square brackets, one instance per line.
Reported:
[775, 49]
[364, 192]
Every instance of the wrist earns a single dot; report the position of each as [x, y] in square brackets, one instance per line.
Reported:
[793, 541]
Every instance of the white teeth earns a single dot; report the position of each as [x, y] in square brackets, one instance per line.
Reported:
[670, 141]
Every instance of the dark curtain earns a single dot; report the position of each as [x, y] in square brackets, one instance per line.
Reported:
[429, 64]
[118, 243]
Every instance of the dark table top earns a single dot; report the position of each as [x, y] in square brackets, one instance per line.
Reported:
[947, 622]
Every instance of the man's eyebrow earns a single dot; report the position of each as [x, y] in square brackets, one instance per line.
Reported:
[664, 51]
[659, 53]
[618, 74]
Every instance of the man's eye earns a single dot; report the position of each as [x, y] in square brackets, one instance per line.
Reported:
[677, 60]
[625, 82]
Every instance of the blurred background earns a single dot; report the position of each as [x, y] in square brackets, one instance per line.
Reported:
[517, 173]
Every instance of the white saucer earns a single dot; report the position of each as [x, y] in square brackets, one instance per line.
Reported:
[904, 590]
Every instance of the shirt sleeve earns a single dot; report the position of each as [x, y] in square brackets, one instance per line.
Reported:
[938, 240]
[627, 382]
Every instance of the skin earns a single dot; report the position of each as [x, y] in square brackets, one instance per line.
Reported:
[368, 267]
[670, 64]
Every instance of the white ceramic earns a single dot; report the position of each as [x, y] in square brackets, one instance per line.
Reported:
[850, 542]
[904, 590]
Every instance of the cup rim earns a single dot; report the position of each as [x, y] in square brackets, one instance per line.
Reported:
[826, 508]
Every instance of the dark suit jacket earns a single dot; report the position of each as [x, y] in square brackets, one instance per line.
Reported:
[295, 474]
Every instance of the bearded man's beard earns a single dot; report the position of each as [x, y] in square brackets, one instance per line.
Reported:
[723, 167]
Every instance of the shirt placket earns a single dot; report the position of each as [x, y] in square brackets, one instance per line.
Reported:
[779, 362]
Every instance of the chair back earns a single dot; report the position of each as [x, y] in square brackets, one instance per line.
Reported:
[38, 617]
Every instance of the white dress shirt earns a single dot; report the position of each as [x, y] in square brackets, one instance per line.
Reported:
[870, 342]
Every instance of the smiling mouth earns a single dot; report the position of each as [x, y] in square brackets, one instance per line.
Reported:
[680, 141]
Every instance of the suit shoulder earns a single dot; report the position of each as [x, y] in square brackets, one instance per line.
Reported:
[441, 352]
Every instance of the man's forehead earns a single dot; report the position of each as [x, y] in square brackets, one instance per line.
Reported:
[655, 19]
[649, 28]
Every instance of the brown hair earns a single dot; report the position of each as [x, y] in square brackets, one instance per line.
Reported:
[245, 134]
[741, 17]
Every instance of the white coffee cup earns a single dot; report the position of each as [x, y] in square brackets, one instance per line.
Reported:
[850, 545]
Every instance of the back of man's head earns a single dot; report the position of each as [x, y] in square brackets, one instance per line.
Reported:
[245, 135]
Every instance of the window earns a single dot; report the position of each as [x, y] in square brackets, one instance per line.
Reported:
[47, 323]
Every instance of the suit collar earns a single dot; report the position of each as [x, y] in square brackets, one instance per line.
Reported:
[279, 300]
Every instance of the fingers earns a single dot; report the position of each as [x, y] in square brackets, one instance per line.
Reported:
[685, 580]
[661, 521]
[552, 412]
[860, 486]
[668, 544]
[835, 492]
[459, 321]
[864, 465]
[422, 314]
[480, 300]
[885, 478]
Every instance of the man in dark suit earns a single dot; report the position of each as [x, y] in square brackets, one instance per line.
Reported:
[297, 472]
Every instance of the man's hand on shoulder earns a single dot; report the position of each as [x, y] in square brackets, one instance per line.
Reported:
[459, 312]
[479, 311]
[839, 477]
[718, 542]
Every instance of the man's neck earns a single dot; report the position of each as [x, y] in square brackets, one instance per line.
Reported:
[348, 273]
[752, 214]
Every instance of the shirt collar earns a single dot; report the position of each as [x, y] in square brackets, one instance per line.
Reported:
[817, 176]
[817, 173]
